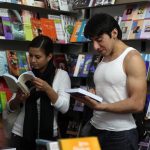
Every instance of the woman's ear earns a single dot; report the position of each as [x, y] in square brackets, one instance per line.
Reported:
[114, 33]
[50, 57]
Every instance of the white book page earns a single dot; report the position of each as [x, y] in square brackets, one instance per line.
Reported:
[11, 81]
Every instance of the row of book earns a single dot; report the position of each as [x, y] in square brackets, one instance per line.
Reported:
[24, 25]
[136, 11]
[16, 62]
[64, 5]
[77, 65]
[135, 22]
[91, 3]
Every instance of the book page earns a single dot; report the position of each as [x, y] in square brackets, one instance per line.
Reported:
[24, 81]
[11, 82]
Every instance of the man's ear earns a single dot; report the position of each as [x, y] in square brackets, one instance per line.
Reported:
[114, 33]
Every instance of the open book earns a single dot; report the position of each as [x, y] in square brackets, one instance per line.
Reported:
[81, 92]
[23, 82]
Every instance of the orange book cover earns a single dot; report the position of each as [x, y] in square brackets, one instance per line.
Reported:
[36, 26]
[12, 60]
[90, 143]
[48, 28]
[75, 32]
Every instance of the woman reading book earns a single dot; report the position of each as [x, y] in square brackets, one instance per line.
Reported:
[38, 115]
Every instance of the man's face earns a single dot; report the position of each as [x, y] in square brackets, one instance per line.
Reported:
[103, 44]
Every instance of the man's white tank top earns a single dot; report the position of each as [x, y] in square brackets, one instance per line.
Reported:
[110, 81]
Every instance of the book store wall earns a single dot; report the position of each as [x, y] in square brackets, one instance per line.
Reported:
[20, 22]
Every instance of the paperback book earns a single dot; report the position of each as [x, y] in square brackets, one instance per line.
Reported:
[23, 82]
[81, 93]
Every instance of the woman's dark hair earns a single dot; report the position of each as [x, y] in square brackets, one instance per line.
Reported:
[43, 42]
[101, 23]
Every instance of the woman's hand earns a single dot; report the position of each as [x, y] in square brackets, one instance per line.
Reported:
[21, 97]
[40, 84]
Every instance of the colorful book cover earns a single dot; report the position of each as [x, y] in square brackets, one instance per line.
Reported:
[48, 28]
[67, 25]
[2, 36]
[12, 60]
[90, 143]
[36, 27]
[125, 27]
[60, 61]
[22, 62]
[75, 32]
[7, 28]
[3, 63]
[81, 37]
[139, 12]
[16, 24]
[145, 33]
[136, 29]
[59, 29]
[86, 66]
[129, 12]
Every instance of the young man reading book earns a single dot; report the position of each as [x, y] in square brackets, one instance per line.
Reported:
[120, 79]
[38, 115]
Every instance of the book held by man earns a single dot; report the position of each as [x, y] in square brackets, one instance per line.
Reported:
[23, 82]
[81, 93]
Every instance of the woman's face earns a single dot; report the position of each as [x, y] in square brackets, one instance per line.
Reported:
[38, 59]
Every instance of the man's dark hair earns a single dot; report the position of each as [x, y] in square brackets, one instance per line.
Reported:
[99, 24]
[43, 42]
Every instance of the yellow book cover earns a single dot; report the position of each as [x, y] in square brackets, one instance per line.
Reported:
[82, 143]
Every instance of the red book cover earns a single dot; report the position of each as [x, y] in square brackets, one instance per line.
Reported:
[36, 26]
[48, 28]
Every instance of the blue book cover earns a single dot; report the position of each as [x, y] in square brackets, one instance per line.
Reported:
[86, 66]
[81, 37]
